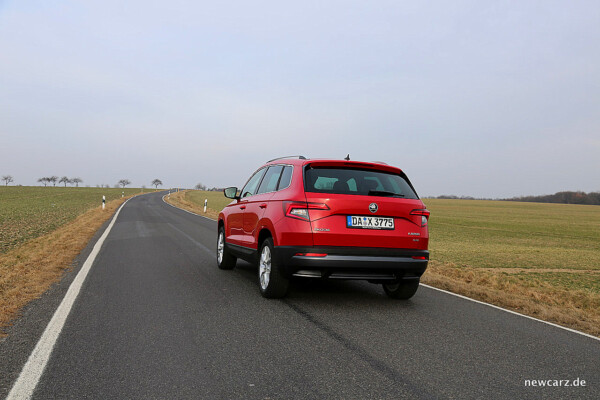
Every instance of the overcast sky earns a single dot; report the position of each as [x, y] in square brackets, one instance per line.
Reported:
[481, 98]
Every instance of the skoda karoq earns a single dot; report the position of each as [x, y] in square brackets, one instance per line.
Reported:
[335, 219]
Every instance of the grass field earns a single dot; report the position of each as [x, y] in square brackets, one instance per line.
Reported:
[498, 234]
[538, 259]
[27, 212]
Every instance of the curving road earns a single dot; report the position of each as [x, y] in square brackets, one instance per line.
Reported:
[155, 318]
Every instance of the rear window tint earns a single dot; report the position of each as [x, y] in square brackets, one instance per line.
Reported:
[355, 181]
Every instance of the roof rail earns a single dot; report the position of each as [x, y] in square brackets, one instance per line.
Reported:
[281, 158]
[379, 162]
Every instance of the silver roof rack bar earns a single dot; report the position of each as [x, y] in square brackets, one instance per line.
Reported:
[281, 158]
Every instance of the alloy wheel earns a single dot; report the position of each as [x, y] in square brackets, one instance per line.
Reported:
[220, 248]
[264, 268]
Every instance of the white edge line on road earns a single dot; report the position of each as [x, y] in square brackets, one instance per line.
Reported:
[33, 369]
[454, 294]
[183, 209]
[512, 312]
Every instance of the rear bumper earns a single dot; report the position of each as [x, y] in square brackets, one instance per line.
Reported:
[376, 264]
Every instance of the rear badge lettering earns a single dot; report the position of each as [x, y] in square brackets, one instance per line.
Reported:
[414, 234]
[322, 229]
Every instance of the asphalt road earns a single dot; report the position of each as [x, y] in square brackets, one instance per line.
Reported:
[156, 319]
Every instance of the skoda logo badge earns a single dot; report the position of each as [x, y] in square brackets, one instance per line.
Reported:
[373, 207]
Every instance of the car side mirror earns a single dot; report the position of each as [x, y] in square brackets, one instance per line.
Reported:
[231, 192]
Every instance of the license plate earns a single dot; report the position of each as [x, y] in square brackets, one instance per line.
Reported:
[354, 221]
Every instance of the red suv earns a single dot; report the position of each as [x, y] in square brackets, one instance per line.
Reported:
[337, 219]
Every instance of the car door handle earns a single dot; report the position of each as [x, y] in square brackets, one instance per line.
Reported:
[242, 207]
[263, 205]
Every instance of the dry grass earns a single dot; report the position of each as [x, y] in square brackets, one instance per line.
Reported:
[27, 271]
[193, 200]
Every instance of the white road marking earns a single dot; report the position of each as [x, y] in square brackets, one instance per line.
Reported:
[512, 312]
[36, 363]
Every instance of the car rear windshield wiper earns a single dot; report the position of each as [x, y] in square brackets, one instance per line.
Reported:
[384, 193]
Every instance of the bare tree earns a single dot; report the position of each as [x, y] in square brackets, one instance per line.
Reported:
[53, 179]
[7, 179]
[124, 182]
[156, 183]
[64, 180]
[76, 181]
[200, 186]
[44, 180]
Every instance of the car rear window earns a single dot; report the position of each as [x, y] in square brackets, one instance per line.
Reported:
[356, 181]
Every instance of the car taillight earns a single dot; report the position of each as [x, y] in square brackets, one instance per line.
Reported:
[424, 213]
[299, 209]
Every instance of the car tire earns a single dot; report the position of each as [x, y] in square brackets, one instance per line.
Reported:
[225, 260]
[402, 290]
[271, 281]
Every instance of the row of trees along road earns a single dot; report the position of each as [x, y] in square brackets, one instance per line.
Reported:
[53, 179]
[72, 181]
[202, 186]
[156, 183]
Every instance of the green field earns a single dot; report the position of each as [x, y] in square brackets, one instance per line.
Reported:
[27, 212]
[555, 243]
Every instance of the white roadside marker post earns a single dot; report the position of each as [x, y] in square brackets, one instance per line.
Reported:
[205, 202]
[103, 202]
[122, 194]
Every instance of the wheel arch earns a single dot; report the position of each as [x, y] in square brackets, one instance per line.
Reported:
[264, 234]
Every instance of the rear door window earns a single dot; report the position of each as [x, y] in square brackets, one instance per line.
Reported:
[356, 181]
[269, 182]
